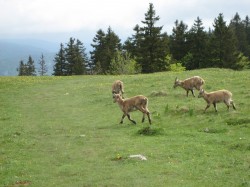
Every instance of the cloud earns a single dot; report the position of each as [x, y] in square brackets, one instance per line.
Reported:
[66, 16]
[207, 11]
[19, 17]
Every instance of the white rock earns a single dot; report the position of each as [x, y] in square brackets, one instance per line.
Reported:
[138, 156]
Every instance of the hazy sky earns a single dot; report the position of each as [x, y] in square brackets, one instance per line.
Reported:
[82, 18]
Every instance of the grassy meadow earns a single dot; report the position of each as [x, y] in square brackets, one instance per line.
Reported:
[65, 131]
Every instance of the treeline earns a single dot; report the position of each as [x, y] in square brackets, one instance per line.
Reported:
[28, 69]
[150, 49]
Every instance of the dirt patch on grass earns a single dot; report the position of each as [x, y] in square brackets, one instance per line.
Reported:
[158, 93]
[21, 183]
[150, 131]
[241, 121]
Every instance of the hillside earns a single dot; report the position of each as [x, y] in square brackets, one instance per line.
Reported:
[11, 52]
[65, 131]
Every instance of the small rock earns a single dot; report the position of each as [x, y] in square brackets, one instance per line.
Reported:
[141, 157]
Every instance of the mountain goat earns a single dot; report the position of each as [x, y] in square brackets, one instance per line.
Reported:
[190, 83]
[217, 97]
[118, 88]
[128, 105]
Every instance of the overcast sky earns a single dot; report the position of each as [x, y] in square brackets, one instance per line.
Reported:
[54, 18]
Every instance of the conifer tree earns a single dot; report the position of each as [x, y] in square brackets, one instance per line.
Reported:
[105, 47]
[43, 67]
[76, 57]
[247, 31]
[97, 55]
[223, 45]
[22, 69]
[70, 56]
[60, 62]
[112, 46]
[31, 71]
[26, 69]
[132, 44]
[81, 59]
[178, 40]
[197, 45]
[238, 29]
[149, 46]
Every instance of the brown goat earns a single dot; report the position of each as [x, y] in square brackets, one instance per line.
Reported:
[190, 83]
[118, 88]
[128, 105]
[217, 97]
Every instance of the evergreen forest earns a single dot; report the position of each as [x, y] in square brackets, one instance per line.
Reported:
[150, 49]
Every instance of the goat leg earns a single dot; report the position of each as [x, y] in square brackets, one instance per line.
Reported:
[149, 119]
[123, 116]
[131, 119]
[143, 118]
[216, 107]
[232, 103]
[192, 92]
[208, 105]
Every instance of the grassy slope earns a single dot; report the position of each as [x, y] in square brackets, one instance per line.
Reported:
[64, 131]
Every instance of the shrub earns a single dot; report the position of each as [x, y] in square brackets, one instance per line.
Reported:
[123, 64]
[177, 67]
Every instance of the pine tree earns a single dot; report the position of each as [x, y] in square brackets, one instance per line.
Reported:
[60, 62]
[43, 68]
[97, 55]
[197, 42]
[247, 31]
[70, 56]
[81, 59]
[31, 71]
[149, 45]
[105, 48]
[112, 45]
[76, 58]
[223, 45]
[238, 29]
[22, 70]
[132, 44]
[178, 40]
[26, 69]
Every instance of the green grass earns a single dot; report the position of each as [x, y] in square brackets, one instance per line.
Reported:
[65, 131]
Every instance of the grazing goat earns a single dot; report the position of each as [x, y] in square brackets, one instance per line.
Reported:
[216, 97]
[190, 83]
[118, 88]
[128, 105]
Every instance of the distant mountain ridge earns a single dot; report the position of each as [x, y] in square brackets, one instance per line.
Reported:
[13, 51]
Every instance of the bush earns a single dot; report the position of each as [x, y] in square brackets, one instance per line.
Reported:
[177, 67]
[242, 62]
[123, 64]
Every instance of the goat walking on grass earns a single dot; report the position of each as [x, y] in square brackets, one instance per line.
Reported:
[217, 97]
[128, 105]
[190, 83]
